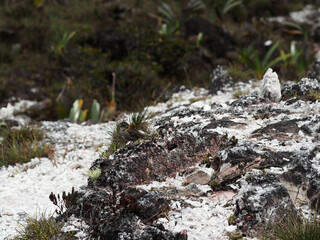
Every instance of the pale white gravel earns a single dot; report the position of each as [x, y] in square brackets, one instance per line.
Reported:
[25, 188]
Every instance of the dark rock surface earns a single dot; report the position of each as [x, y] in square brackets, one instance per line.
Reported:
[315, 70]
[220, 79]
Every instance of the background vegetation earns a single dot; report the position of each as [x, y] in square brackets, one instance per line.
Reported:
[129, 53]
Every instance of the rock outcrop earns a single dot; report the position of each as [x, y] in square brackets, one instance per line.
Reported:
[262, 155]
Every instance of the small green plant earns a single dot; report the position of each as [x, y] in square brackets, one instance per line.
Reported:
[226, 7]
[195, 6]
[61, 45]
[315, 95]
[250, 56]
[206, 160]
[170, 24]
[117, 142]
[222, 7]
[95, 110]
[298, 58]
[139, 120]
[231, 220]
[199, 40]
[214, 183]
[20, 145]
[40, 227]
[235, 235]
[295, 227]
[77, 114]
[297, 29]
[94, 174]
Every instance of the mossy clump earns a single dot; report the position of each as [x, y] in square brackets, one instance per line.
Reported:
[314, 96]
[20, 145]
[235, 236]
[214, 183]
[231, 220]
[94, 174]
[206, 160]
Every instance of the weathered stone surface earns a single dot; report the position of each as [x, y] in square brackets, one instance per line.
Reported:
[315, 69]
[153, 160]
[282, 131]
[301, 90]
[220, 79]
[263, 198]
[127, 227]
[198, 177]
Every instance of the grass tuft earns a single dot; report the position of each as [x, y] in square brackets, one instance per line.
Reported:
[296, 227]
[139, 120]
[21, 145]
[41, 228]
[117, 142]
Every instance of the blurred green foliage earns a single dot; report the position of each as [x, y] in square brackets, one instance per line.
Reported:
[39, 48]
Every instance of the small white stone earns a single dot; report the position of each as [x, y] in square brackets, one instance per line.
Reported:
[231, 228]
[6, 113]
[301, 134]
[207, 108]
[271, 88]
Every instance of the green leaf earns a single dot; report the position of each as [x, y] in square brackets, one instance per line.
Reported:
[278, 59]
[199, 39]
[167, 12]
[163, 29]
[83, 115]
[229, 5]
[257, 64]
[268, 55]
[75, 110]
[292, 24]
[95, 110]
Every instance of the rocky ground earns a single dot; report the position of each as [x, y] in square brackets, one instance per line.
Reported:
[247, 159]
[219, 167]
